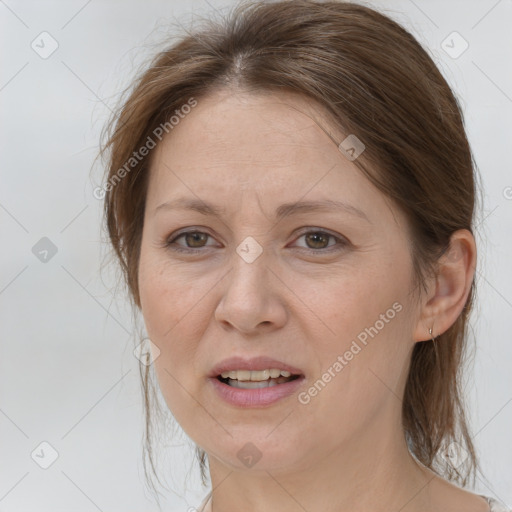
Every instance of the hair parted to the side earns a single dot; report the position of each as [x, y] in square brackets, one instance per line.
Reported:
[375, 81]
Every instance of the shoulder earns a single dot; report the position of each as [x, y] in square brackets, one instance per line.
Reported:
[205, 505]
[447, 496]
[495, 505]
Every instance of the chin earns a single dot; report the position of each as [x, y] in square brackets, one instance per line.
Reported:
[257, 450]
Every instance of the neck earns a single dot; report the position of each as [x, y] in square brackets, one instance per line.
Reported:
[375, 472]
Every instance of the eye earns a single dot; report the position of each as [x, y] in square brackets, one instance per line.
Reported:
[316, 240]
[193, 239]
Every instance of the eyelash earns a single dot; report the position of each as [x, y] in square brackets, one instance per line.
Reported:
[341, 242]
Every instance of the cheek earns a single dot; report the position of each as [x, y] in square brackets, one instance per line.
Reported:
[169, 320]
[369, 346]
[356, 304]
[173, 306]
[168, 296]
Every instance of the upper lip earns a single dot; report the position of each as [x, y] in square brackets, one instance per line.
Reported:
[254, 363]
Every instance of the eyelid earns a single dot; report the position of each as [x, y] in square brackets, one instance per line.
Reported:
[341, 241]
[174, 236]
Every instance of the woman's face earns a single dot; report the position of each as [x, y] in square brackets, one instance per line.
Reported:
[325, 292]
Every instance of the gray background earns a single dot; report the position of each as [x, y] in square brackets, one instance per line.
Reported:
[68, 375]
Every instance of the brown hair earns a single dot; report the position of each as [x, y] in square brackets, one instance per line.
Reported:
[375, 81]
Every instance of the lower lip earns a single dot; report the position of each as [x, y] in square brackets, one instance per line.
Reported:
[260, 397]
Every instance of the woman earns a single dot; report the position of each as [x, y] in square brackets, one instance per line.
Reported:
[291, 195]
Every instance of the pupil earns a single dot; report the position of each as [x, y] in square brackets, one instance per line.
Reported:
[196, 237]
[322, 236]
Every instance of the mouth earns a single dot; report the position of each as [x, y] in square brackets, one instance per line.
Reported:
[257, 382]
[256, 379]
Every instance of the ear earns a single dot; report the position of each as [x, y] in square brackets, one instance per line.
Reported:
[450, 288]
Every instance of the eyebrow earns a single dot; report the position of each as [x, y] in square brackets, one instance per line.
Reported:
[284, 210]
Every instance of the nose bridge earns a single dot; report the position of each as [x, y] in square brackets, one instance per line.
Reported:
[249, 268]
[248, 298]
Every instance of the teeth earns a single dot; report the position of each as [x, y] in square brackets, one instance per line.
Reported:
[257, 384]
[252, 385]
[255, 375]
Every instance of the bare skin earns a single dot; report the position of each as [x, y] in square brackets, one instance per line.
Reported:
[303, 301]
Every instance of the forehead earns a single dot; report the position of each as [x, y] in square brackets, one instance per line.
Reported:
[247, 129]
[274, 147]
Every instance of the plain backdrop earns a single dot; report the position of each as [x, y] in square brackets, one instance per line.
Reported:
[68, 375]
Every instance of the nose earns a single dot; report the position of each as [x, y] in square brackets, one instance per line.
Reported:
[253, 298]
